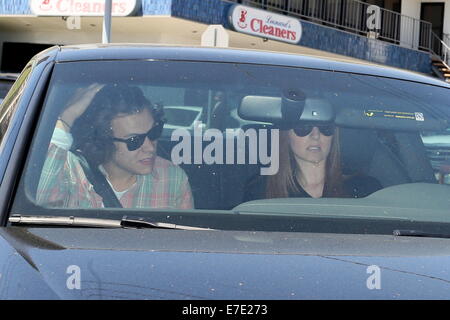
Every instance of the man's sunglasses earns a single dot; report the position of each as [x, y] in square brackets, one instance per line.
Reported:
[303, 131]
[135, 142]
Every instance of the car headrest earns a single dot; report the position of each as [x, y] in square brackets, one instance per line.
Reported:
[357, 149]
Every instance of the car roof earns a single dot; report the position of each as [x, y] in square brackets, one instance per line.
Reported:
[123, 51]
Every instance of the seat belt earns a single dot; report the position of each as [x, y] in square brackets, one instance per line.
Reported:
[99, 182]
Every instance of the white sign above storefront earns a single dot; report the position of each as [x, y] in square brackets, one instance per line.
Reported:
[265, 24]
[82, 7]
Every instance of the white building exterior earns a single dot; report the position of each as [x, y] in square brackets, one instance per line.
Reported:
[413, 8]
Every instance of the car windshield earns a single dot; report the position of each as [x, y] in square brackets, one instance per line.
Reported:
[161, 139]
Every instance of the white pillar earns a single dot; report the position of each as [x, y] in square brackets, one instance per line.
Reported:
[106, 36]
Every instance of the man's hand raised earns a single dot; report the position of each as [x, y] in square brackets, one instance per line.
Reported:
[79, 102]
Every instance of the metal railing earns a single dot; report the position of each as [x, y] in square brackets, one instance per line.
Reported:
[440, 48]
[352, 16]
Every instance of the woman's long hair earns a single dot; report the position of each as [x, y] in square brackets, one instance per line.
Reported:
[282, 183]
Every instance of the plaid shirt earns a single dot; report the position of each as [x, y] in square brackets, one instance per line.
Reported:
[64, 184]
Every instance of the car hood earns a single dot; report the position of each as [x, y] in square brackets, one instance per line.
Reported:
[70, 263]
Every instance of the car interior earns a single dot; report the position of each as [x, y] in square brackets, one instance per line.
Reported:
[369, 154]
[390, 156]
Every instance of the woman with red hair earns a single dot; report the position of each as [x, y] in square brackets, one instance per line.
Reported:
[310, 166]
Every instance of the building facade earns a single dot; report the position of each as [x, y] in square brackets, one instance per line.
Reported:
[407, 34]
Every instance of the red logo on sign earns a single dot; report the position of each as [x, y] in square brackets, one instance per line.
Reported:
[45, 5]
[241, 22]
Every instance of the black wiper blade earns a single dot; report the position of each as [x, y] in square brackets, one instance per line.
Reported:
[142, 223]
[126, 222]
[418, 233]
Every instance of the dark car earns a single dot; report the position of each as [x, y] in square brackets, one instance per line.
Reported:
[301, 178]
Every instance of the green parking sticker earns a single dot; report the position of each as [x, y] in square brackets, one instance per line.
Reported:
[416, 116]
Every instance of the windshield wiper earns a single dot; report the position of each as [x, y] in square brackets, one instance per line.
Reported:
[417, 233]
[126, 222]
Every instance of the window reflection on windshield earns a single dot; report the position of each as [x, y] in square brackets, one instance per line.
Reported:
[437, 144]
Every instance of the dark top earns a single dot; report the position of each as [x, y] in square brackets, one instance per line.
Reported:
[357, 186]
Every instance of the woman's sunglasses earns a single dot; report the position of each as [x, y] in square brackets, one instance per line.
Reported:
[137, 141]
[303, 131]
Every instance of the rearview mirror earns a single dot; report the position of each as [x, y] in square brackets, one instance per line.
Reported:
[286, 111]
